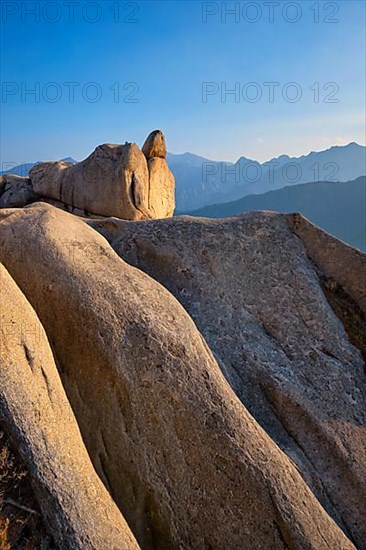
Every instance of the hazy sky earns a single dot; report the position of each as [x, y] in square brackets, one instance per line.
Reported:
[112, 71]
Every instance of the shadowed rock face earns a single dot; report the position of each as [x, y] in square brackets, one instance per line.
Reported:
[182, 457]
[115, 180]
[335, 258]
[33, 406]
[16, 191]
[258, 300]
[342, 274]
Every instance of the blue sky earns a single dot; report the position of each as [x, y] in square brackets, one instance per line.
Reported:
[166, 56]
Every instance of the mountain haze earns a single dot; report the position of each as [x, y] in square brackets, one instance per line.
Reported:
[200, 182]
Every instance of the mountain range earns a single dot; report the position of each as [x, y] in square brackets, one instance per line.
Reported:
[201, 181]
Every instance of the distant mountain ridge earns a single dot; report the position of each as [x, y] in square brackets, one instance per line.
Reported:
[201, 181]
[337, 207]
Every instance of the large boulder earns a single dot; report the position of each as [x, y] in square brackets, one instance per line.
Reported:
[112, 181]
[161, 182]
[185, 461]
[265, 310]
[115, 180]
[16, 191]
[33, 406]
[161, 179]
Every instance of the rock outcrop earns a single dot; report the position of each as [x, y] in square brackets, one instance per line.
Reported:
[112, 181]
[16, 191]
[186, 463]
[342, 274]
[115, 180]
[33, 406]
[336, 260]
[161, 180]
[258, 300]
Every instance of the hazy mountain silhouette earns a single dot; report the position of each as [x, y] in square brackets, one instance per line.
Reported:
[201, 181]
[337, 207]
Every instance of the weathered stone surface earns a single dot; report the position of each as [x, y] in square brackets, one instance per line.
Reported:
[337, 261]
[185, 461]
[70, 209]
[33, 406]
[258, 300]
[113, 181]
[154, 145]
[16, 191]
[161, 198]
[342, 274]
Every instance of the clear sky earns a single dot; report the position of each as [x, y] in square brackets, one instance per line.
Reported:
[167, 64]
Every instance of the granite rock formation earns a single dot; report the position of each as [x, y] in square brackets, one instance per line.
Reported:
[115, 180]
[34, 409]
[282, 307]
[182, 457]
